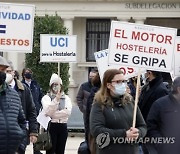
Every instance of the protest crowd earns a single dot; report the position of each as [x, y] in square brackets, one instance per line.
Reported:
[127, 105]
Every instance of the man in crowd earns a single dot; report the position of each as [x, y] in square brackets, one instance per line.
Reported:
[153, 90]
[83, 95]
[84, 92]
[163, 121]
[12, 120]
[27, 104]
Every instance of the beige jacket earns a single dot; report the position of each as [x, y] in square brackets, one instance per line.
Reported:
[55, 110]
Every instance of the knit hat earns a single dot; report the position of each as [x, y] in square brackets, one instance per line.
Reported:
[3, 62]
[55, 79]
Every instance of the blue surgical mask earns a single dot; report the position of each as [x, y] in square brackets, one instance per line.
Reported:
[120, 89]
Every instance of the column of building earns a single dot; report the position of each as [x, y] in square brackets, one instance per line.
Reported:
[68, 23]
[139, 20]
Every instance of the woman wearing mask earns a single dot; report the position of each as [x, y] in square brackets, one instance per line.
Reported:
[58, 107]
[111, 117]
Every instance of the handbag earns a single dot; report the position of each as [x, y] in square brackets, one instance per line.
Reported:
[43, 141]
[83, 148]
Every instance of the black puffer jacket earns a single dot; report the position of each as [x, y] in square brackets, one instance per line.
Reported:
[12, 121]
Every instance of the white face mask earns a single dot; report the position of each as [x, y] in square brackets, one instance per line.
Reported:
[9, 78]
[56, 89]
[120, 89]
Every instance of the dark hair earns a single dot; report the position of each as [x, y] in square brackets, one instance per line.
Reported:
[175, 85]
[50, 88]
[24, 70]
[155, 73]
[96, 81]
[94, 70]
[16, 74]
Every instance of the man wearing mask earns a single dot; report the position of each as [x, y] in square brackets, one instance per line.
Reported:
[12, 120]
[153, 90]
[34, 87]
[27, 104]
[163, 121]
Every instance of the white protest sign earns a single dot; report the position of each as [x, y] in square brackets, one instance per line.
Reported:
[102, 63]
[58, 48]
[145, 46]
[16, 27]
[177, 57]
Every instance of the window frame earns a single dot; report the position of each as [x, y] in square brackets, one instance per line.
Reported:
[98, 33]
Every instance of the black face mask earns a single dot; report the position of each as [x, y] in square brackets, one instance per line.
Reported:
[2, 77]
[28, 75]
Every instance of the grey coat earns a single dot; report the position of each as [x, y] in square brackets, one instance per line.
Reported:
[112, 123]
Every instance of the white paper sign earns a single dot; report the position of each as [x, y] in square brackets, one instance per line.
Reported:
[177, 57]
[43, 119]
[145, 46]
[102, 63]
[58, 48]
[16, 27]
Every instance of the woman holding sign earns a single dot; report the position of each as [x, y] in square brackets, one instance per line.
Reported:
[111, 117]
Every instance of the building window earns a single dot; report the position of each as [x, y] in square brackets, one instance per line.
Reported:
[1, 53]
[97, 36]
[178, 32]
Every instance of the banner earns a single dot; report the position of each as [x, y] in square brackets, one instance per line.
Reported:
[58, 48]
[102, 64]
[144, 46]
[16, 27]
[177, 57]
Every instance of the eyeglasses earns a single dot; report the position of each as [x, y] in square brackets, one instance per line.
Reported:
[119, 81]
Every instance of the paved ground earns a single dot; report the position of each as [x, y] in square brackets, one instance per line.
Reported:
[73, 143]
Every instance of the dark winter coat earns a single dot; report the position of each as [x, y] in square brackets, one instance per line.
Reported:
[29, 111]
[88, 110]
[12, 121]
[28, 106]
[36, 93]
[163, 121]
[112, 123]
[82, 96]
[154, 90]
[132, 89]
